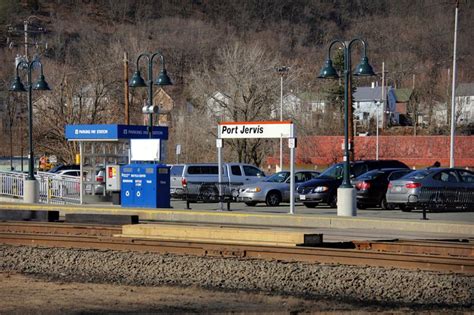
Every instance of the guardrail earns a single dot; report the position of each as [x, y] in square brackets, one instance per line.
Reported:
[53, 188]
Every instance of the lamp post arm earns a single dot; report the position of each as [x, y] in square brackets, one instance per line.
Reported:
[21, 63]
[140, 57]
[32, 64]
[364, 45]
[162, 59]
[333, 43]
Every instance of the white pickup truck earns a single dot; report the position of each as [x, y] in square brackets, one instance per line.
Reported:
[203, 178]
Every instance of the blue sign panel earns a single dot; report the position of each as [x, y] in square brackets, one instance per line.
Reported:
[113, 132]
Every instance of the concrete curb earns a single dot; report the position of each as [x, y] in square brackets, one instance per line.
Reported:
[259, 219]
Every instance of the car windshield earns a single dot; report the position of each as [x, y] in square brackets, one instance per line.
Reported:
[335, 171]
[416, 175]
[279, 177]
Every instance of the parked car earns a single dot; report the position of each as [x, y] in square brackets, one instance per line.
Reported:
[176, 175]
[274, 189]
[69, 172]
[202, 179]
[372, 186]
[440, 187]
[323, 189]
[63, 167]
[98, 183]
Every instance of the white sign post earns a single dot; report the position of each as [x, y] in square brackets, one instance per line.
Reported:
[258, 130]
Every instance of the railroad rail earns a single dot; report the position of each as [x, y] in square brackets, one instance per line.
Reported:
[63, 235]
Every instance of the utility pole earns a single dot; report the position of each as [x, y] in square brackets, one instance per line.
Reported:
[126, 91]
[281, 71]
[383, 94]
[453, 92]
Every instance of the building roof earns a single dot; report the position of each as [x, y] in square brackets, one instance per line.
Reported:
[465, 89]
[403, 95]
[369, 94]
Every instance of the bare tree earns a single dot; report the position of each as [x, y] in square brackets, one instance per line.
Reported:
[239, 87]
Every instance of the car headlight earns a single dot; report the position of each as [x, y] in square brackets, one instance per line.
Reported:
[320, 189]
[254, 189]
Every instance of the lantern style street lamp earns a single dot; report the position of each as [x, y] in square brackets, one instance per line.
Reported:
[162, 80]
[346, 205]
[31, 186]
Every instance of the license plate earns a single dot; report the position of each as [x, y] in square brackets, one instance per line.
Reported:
[302, 197]
[398, 188]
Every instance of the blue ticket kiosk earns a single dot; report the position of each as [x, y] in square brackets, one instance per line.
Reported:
[145, 185]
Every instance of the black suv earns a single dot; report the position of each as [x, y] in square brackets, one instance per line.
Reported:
[323, 189]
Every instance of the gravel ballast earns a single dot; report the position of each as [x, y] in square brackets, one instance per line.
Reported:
[350, 283]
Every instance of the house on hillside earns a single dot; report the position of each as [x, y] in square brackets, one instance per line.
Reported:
[465, 104]
[166, 105]
[368, 101]
[404, 101]
[439, 116]
[217, 105]
[290, 107]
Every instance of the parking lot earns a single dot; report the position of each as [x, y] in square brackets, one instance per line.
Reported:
[438, 215]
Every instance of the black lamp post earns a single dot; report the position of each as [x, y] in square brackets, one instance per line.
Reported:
[17, 86]
[328, 72]
[162, 80]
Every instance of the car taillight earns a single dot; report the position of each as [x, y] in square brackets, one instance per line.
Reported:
[184, 182]
[99, 178]
[413, 185]
[363, 185]
[390, 185]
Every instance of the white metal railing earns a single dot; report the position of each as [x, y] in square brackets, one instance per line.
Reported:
[58, 189]
[53, 188]
[11, 184]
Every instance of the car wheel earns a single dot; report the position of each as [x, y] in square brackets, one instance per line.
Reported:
[310, 204]
[385, 205]
[209, 193]
[405, 208]
[333, 202]
[251, 203]
[273, 199]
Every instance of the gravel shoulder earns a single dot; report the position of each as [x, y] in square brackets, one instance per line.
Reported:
[73, 280]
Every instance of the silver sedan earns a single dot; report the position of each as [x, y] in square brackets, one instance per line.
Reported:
[434, 187]
[274, 189]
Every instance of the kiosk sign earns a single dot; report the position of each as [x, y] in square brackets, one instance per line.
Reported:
[257, 129]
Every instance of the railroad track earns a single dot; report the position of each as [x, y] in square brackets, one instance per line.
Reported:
[446, 256]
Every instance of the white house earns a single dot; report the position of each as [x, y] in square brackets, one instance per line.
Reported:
[368, 101]
[217, 105]
[291, 107]
[465, 103]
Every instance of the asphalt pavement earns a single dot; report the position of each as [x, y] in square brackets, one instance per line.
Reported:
[438, 215]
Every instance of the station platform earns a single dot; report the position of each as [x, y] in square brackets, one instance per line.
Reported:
[334, 228]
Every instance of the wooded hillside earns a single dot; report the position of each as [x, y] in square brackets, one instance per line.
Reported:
[226, 46]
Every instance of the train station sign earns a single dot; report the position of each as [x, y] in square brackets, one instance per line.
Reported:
[256, 129]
